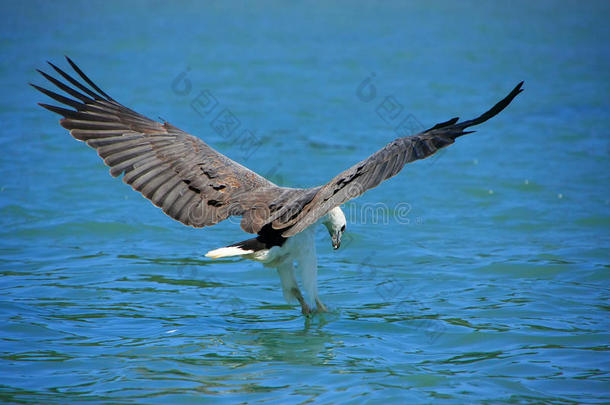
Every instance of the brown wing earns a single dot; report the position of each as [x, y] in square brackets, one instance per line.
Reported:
[178, 172]
[380, 166]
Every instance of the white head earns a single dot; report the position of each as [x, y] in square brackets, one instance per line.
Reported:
[335, 223]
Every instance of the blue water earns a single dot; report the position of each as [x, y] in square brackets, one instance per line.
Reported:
[481, 274]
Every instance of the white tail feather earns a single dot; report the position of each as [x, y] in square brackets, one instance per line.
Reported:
[227, 252]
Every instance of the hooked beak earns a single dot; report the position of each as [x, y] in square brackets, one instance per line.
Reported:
[336, 240]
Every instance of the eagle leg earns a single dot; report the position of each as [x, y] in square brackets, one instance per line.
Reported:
[321, 307]
[305, 310]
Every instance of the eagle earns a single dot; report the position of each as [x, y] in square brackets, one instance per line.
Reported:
[199, 186]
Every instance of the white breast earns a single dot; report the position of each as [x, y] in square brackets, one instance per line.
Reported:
[294, 248]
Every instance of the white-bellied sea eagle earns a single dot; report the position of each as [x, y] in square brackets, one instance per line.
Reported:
[198, 186]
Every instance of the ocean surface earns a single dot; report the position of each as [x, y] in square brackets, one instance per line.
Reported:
[481, 274]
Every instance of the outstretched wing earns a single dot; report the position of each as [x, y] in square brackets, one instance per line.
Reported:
[178, 172]
[380, 166]
[199, 186]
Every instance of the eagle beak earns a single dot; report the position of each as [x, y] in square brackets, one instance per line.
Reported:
[336, 240]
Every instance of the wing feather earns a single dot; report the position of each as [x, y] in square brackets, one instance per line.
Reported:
[380, 166]
[179, 173]
[144, 173]
[161, 194]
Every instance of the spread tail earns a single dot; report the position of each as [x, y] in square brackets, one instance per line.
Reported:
[242, 248]
[228, 251]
